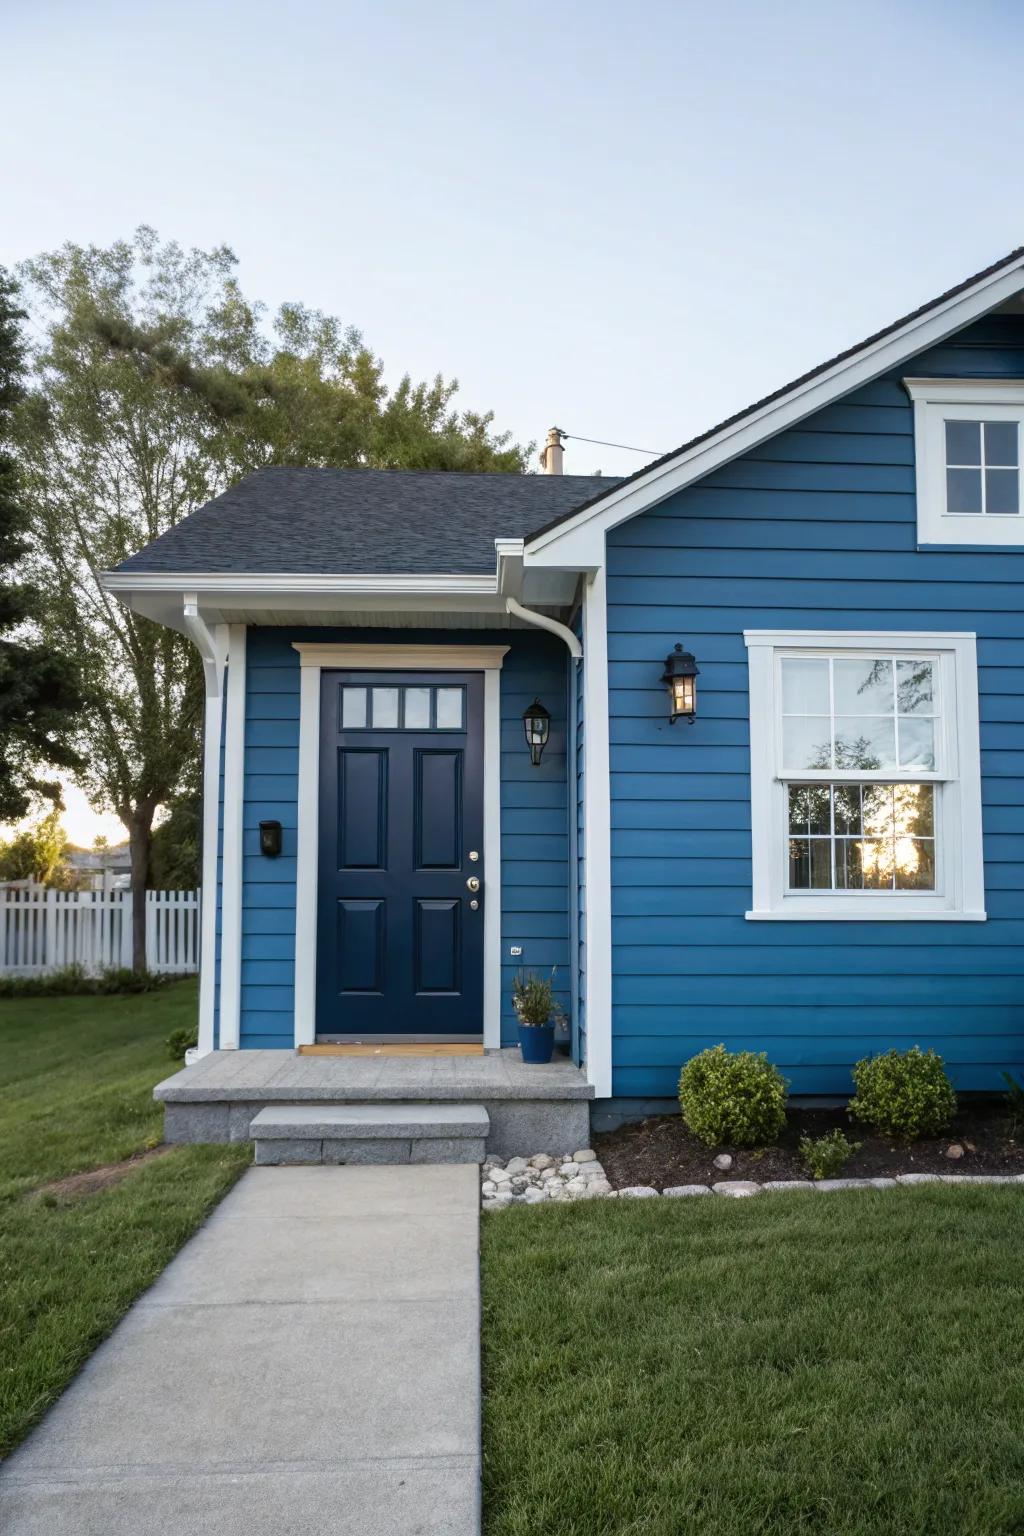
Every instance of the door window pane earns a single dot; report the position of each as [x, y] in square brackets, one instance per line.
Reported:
[417, 709]
[353, 709]
[449, 709]
[385, 709]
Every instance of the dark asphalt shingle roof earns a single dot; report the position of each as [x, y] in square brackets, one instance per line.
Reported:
[362, 522]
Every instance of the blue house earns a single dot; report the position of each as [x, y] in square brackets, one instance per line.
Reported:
[774, 796]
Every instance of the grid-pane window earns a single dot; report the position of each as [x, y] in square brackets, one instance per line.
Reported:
[982, 468]
[875, 719]
[861, 837]
[390, 708]
[873, 713]
[865, 776]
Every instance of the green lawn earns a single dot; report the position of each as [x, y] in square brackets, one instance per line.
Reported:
[842, 1365]
[76, 1080]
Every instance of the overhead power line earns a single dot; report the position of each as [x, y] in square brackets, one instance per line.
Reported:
[652, 453]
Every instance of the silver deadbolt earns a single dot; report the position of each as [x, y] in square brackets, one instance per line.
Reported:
[473, 856]
[473, 906]
[473, 883]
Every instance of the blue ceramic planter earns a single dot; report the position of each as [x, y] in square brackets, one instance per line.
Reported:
[537, 1042]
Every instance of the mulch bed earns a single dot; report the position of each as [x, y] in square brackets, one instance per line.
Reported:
[661, 1151]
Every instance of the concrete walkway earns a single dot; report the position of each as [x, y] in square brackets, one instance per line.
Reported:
[309, 1363]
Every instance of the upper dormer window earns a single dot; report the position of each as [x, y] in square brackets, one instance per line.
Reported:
[967, 448]
[982, 468]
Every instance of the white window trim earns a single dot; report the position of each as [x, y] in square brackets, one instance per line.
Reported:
[962, 894]
[313, 657]
[935, 401]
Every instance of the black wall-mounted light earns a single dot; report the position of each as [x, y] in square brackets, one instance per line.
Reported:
[537, 725]
[680, 678]
[270, 838]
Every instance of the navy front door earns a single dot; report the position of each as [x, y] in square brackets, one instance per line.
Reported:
[400, 925]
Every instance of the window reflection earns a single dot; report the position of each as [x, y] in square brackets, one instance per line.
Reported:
[872, 837]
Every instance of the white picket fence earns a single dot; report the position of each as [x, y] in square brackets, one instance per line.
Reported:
[42, 930]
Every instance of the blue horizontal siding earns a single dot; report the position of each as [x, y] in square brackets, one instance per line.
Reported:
[534, 810]
[813, 530]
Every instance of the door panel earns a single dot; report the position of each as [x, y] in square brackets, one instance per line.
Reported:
[437, 810]
[400, 945]
[437, 947]
[362, 809]
[361, 946]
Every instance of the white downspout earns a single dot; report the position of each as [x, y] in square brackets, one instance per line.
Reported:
[554, 627]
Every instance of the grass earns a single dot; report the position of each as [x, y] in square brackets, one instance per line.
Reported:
[75, 1094]
[844, 1364]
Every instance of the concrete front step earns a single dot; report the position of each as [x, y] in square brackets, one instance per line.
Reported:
[370, 1133]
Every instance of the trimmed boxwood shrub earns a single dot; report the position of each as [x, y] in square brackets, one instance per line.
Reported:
[904, 1093]
[733, 1097]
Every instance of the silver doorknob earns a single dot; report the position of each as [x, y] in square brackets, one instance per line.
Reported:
[473, 883]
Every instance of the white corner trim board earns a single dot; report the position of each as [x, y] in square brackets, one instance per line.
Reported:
[213, 647]
[959, 894]
[313, 658]
[937, 401]
[597, 834]
[231, 888]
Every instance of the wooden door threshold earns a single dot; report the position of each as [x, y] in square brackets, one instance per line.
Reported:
[425, 1048]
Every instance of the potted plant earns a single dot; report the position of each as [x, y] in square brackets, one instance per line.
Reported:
[533, 998]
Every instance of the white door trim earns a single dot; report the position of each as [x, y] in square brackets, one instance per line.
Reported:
[231, 887]
[423, 658]
[313, 658]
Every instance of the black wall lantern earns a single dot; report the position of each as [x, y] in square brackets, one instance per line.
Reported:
[680, 678]
[537, 725]
[270, 838]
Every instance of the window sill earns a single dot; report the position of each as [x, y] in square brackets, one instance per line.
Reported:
[844, 914]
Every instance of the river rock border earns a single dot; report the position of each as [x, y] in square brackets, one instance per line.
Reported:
[543, 1179]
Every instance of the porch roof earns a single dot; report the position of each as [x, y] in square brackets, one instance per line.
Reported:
[326, 522]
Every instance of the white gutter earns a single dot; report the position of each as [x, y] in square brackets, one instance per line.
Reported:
[288, 583]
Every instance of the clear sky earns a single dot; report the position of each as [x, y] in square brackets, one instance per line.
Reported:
[626, 219]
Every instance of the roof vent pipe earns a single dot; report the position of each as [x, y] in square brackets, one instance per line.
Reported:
[552, 452]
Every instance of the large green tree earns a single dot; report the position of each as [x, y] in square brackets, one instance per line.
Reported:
[38, 687]
[157, 383]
